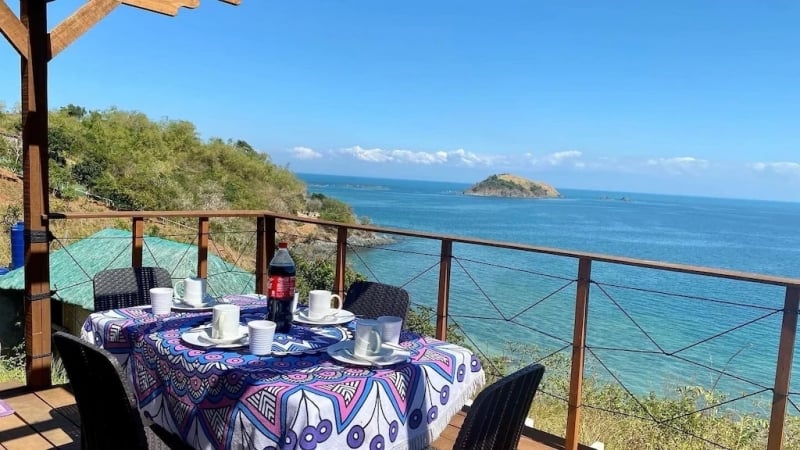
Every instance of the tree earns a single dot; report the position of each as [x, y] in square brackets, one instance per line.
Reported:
[71, 110]
[88, 171]
[60, 144]
[244, 146]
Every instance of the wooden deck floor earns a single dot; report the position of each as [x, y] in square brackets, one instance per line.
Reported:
[42, 420]
[48, 419]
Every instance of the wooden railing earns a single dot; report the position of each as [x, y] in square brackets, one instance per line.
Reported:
[266, 226]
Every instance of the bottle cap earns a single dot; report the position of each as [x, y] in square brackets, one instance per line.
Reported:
[282, 245]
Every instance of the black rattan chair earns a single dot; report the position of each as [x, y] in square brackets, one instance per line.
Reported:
[126, 287]
[106, 404]
[496, 417]
[370, 300]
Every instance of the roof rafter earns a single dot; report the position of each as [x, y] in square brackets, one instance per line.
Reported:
[82, 20]
[169, 7]
[13, 29]
[79, 23]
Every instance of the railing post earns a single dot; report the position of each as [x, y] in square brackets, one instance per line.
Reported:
[137, 234]
[202, 247]
[783, 371]
[341, 260]
[265, 248]
[445, 261]
[271, 229]
[578, 354]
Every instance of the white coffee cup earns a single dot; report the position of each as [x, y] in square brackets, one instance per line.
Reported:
[225, 322]
[390, 329]
[367, 339]
[161, 300]
[194, 290]
[261, 333]
[319, 303]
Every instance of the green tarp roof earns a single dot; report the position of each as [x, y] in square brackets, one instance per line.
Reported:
[73, 267]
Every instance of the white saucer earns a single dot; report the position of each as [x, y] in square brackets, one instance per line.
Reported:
[179, 305]
[201, 337]
[336, 317]
[343, 352]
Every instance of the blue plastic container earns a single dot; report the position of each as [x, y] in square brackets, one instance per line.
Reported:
[17, 245]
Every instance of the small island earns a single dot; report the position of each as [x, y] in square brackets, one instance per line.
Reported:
[507, 185]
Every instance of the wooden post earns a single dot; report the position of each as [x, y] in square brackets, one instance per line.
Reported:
[271, 229]
[30, 38]
[202, 247]
[783, 371]
[445, 262]
[36, 205]
[265, 249]
[341, 260]
[138, 241]
[261, 256]
[578, 354]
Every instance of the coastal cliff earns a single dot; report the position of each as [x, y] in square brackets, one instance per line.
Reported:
[507, 185]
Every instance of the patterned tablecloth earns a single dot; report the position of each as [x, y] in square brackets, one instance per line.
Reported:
[228, 398]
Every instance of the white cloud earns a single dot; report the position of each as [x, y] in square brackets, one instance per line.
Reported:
[780, 168]
[557, 159]
[306, 153]
[678, 164]
[379, 155]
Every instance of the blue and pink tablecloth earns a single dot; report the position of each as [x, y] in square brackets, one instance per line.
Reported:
[228, 398]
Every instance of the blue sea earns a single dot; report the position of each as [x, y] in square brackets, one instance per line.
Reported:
[651, 330]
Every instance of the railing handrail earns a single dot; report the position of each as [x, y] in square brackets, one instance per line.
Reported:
[600, 257]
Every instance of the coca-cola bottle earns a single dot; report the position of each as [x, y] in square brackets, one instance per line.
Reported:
[281, 289]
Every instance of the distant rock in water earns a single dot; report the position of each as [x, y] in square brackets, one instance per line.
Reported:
[507, 185]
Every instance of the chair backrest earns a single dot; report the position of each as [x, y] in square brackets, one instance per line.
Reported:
[129, 286]
[106, 404]
[371, 300]
[497, 415]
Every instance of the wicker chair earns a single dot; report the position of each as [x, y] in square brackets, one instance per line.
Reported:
[497, 415]
[126, 287]
[371, 300]
[106, 404]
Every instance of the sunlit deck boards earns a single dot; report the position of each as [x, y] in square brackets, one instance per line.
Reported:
[48, 418]
[42, 419]
[448, 437]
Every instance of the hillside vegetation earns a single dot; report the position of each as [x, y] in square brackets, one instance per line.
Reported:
[139, 164]
[143, 165]
[122, 160]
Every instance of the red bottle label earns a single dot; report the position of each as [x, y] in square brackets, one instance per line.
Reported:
[281, 286]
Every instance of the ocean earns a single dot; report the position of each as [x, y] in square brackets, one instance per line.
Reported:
[651, 330]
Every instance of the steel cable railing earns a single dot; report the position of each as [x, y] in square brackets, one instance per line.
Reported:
[534, 317]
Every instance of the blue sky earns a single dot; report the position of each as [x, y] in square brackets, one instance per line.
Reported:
[681, 97]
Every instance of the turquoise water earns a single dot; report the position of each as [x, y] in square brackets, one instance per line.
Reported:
[626, 309]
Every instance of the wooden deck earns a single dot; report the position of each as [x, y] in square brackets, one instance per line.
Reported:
[42, 420]
[49, 419]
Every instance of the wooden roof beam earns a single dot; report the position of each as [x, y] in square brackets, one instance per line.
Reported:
[168, 7]
[13, 29]
[74, 26]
